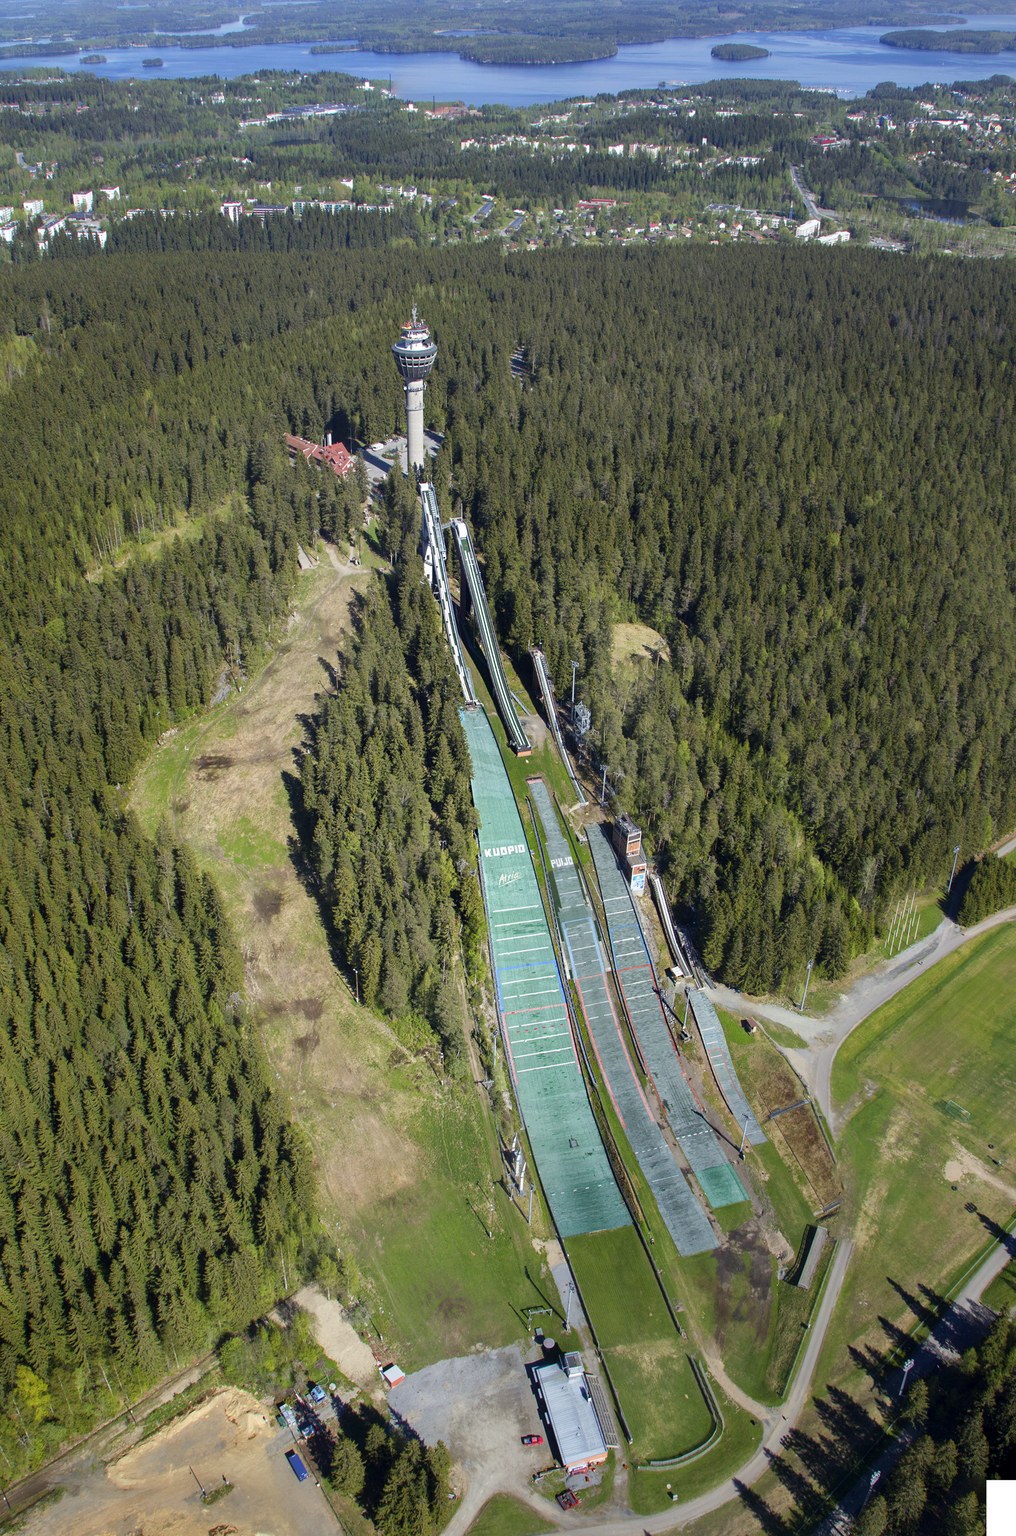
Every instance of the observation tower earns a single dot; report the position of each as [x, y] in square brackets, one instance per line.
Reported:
[414, 354]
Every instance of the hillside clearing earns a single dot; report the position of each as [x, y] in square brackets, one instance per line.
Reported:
[405, 1162]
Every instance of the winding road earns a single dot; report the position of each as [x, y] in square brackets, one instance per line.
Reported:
[966, 1321]
[823, 1037]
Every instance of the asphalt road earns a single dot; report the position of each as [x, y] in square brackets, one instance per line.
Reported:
[706, 1503]
[808, 197]
[966, 1321]
[823, 1037]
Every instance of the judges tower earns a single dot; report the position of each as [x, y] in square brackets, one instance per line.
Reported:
[414, 354]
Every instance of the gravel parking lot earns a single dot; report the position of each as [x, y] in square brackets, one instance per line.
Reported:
[480, 1406]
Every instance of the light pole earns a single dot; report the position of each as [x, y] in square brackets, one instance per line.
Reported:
[807, 981]
[871, 1487]
[356, 975]
[908, 1366]
[603, 786]
[952, 872]
[574, 669]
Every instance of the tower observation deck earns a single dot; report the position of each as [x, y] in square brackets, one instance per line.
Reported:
[414, 353]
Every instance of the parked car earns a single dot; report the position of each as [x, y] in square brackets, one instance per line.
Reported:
[297, 1464]
[532, 1439]
[567, 1499]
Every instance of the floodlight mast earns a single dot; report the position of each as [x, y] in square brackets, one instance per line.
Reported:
[414, 353]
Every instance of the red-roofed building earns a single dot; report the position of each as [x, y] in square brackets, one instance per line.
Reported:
[335, 455]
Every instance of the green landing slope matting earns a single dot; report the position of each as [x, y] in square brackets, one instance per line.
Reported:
[574, 1171]
[583, 955]
[637, 984]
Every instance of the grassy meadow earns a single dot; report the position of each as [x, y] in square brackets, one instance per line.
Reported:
[926, 1185]
[646, 1357]
[405, 1162]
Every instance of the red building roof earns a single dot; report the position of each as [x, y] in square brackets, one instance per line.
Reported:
[335, 455]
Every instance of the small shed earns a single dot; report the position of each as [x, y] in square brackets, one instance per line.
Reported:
[392, 1374]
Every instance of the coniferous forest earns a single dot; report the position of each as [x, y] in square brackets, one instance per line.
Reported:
[795, 465]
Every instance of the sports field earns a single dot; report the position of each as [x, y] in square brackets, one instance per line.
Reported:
[951, 1035]
[646, 1357]
[927, 1183]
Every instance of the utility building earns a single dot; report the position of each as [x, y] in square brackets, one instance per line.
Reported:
[414, 353]
[628, 846]
[571, 1413]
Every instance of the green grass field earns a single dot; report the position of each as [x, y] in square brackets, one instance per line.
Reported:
[646, 1357]
[405, 1164]
[648, 1492]
[505, 1516]
[923, 1179]
[1001, 1293]
[950, 1035]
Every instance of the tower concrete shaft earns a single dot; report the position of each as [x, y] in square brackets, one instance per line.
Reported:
[414, 353]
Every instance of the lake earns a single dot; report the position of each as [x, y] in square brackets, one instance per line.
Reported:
[847, 60]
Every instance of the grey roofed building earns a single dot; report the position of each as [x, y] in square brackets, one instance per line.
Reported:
[573, 1419]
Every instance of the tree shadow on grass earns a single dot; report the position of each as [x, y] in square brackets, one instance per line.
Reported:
[1007, 1239]
[771, 1522]
[793, 1478]
[847, 1420]
[870, 1362]
[925, 1313]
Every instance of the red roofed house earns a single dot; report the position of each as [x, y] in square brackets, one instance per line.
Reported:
[335, 455]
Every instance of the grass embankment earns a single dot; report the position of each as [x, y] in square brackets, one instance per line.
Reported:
[929, 1185]
[405, 1162]
[505, 1516]
[1001, 1293]
[649, 1492]
[771, 1085]
[735, 1293]
[646, 1357]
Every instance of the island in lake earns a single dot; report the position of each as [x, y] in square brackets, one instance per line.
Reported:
[94, 58]
[951, 42]
[151, 63]
[738, 53]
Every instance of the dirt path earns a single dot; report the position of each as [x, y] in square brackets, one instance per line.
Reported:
[338, 1338]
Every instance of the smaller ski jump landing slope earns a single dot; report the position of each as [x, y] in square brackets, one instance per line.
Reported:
[682, 1215]
[565, 1142]
[637, 985]
[720, 1060]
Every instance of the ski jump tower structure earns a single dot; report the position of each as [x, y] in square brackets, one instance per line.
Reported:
[414, 353]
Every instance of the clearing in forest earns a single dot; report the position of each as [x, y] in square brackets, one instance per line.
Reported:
[632, 644]
[405, 1162]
